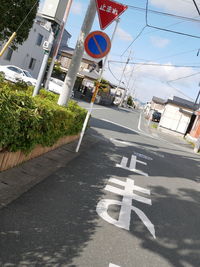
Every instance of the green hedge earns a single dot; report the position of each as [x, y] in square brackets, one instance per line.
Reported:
[26, 121]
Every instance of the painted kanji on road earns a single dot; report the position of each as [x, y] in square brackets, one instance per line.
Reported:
[128, 194]
[126, 204]
[132, 167]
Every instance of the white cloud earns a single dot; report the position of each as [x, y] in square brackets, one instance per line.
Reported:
[123, 35]
[77, 8]
[181, 7]
[159, 42]
[149, 81]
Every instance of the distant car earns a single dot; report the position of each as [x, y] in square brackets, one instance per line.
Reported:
[15, 74]
[156, 116]
[55, 85]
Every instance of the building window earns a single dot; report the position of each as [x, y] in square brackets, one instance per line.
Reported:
[39, 39]
[8, 54]
[32, 63]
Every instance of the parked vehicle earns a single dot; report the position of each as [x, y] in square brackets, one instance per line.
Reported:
[55, 85]
[156, 116]
[15, 74]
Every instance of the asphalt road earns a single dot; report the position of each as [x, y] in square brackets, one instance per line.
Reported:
[105, 209]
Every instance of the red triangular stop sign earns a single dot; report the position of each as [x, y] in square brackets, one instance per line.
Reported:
[108, 11]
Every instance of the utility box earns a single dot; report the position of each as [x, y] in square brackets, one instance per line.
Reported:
[54, 10]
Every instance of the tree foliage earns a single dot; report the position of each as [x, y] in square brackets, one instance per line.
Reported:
[104, 86]
[27, 121]
[130, 101]
[12, 14]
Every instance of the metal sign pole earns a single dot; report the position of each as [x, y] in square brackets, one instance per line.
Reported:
[95, 93]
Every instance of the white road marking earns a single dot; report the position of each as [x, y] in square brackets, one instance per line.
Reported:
[121, 142]
[135, 131]
[132, 166]
[156, 153]
[126, 205]
[135, 153]
[148, 135]
[113, 265]
[142, 156]
[139, 122]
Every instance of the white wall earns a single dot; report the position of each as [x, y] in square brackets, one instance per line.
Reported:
[22, 56]
[175, 120]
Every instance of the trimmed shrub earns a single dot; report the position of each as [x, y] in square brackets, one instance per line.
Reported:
[26, 121]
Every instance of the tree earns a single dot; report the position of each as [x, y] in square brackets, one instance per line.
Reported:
[104, 86]
[130, 101]
[13, 13]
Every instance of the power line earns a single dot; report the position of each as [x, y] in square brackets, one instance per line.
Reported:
[183, 77]
[196, 6]
[36, 2]
[155, 64]
[173, 55]
[156, 29]
[174, 88]
[164, 14]
[167, 30]
[112, 72]
[134, 40]
[164, 29]
[179, 91]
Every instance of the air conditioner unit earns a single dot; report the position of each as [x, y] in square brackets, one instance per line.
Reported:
[54, 10]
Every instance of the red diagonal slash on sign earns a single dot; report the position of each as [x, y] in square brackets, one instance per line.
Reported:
[98, 46]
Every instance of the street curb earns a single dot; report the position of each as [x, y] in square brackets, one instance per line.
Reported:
[18, 180]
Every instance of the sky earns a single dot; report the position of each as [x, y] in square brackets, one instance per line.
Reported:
[179, 52]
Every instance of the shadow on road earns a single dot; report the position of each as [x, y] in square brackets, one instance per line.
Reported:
[176, 222]
[52, 224]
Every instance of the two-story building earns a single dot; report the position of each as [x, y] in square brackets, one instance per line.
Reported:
[29, 55]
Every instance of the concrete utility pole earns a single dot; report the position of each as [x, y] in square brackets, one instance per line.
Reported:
[77, 56]
[44, 64]
[60, 35]
[120, 81]
[130, 79]
[95, 92]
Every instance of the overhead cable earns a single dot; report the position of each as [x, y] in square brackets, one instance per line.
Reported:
[164, 29]
[36, 2]
[196, 6]
[167, 30]
[155, 64]
[164, 14]
[167, 83]
[134, 40]
[183, 77]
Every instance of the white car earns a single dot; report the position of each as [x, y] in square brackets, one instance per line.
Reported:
[55, 85]
[14, 74]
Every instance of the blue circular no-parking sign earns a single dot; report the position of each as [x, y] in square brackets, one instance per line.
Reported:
[97, 44]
